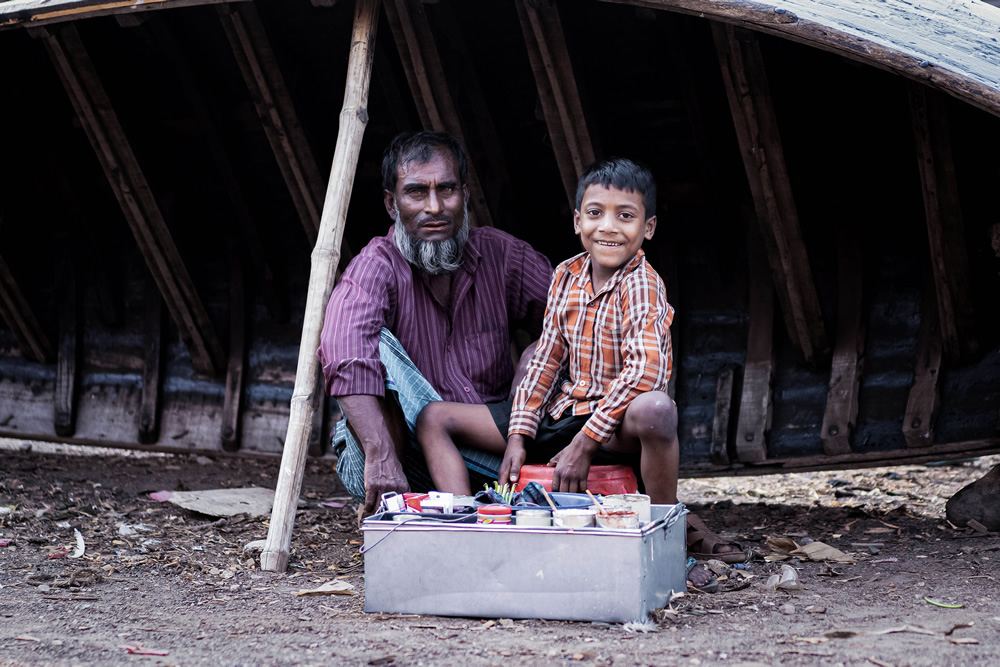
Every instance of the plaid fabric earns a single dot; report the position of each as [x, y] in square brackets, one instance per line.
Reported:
[598, 352]
[413, 392]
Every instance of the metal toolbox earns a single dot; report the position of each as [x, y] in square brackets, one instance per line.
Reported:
[424, 565]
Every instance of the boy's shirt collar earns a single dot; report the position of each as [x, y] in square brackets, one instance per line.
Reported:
[580, 267]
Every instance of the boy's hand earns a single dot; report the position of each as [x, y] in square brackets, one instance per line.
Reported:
[513, 459]
[573, 464]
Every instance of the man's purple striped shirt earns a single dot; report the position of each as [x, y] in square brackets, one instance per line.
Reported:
[501, 285]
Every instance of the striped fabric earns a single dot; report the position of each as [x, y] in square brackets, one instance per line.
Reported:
[414, 392]
[464, 352]
[597, 352]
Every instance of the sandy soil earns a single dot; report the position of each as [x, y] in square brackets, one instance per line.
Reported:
[182, 586]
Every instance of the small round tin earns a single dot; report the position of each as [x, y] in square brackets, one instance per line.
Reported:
[493, 514]
[573, 518]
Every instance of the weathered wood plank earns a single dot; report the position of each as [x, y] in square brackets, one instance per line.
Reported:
[67, 361]
[763, 159]
[149, 401]
[557, 91]
[722, 424]
[128, 182]
[925, 397]
[924, 40]
[754, 423]
[233, 402]
[40, 12]
[840, 416]
[945, 233]
[17, 313]
[424, 72]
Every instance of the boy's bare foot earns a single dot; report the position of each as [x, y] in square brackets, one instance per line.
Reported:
[703, 544]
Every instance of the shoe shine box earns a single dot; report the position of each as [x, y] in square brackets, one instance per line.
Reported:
[444, 565]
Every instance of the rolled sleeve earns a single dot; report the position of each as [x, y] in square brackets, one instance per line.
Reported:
[355, 316]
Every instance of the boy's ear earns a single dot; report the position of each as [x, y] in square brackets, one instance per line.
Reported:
[389, 199]
[650, 227]
[576, 222]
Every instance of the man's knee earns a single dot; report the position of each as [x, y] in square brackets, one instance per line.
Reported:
[654, 413]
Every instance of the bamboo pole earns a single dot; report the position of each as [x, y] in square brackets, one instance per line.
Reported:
[325, 258]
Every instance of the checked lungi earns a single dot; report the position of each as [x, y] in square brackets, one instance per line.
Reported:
[413, 392]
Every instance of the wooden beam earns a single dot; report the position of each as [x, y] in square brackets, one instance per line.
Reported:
[754, 425]
[252, 49]
[557, 91]
[265, 271]
[749, 97]
[318, 435]
[149, 398]
[487, 149]
[722, 424]
[943, 212]
[128, 182]
[325, 256]
[17, 313]
[419, 56]
[67, 362]
[233, 402]
[925, 397]
[841, 414]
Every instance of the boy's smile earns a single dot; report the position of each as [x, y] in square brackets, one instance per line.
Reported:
[612, 224]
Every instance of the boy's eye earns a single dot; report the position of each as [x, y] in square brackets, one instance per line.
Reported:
[593, 212]
[627, 216]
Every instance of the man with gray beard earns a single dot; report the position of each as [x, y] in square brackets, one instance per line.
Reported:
[424, 313]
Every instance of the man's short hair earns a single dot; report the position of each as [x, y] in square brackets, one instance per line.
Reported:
[419, 147]
[623, 174]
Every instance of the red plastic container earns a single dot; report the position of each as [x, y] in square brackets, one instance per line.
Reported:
[605, 480]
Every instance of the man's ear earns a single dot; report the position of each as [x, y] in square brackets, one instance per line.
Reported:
[465, 193]
[389, 199]
[576, 222]
[650, 227]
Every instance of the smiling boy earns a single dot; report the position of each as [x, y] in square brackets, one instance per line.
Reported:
[595, 389]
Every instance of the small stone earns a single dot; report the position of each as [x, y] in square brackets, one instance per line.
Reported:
[815, 609]
[44, 588]
[787, 609]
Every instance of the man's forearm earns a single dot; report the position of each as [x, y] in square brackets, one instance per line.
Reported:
[378, 428]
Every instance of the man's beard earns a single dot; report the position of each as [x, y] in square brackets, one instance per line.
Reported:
[433, 257]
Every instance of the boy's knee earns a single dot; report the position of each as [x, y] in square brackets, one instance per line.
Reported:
[428, 418]
[654, 413]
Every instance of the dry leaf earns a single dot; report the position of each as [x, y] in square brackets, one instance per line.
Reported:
[329, 588]
[819, 552]
[963, 640]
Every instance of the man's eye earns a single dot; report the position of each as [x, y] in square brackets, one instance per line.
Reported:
[446, 190]
[416, 194]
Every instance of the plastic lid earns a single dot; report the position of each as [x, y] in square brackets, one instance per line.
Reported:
[494, 510]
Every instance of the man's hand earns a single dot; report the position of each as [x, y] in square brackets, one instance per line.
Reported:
[573, 464]
[513, 459]
[382, 474]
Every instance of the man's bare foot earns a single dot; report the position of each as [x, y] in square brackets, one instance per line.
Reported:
[979, 501]
[703, 544]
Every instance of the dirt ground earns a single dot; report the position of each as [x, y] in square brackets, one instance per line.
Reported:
[180, 584]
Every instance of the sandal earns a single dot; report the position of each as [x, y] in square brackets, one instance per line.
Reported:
[713, 584]
[703, 544]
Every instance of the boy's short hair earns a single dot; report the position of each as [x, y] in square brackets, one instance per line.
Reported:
[623, 174]
[420, 147]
